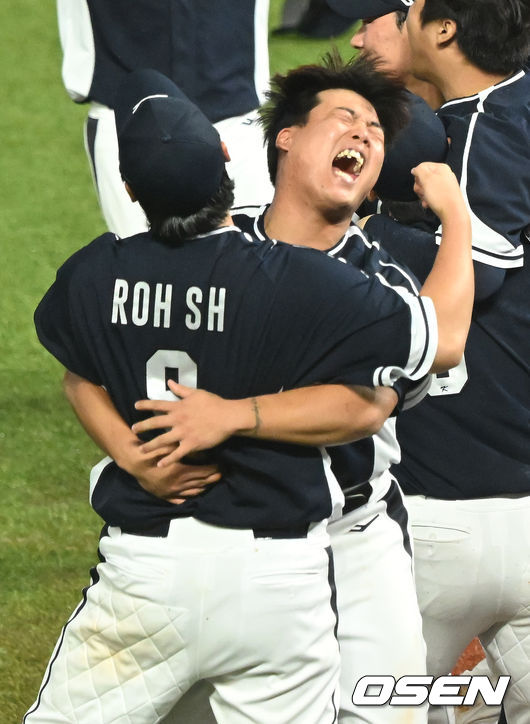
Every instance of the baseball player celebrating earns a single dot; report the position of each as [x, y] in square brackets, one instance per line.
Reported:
[380, 564]
[198, 299]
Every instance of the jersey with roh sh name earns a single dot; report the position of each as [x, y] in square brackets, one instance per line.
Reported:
[238, 317]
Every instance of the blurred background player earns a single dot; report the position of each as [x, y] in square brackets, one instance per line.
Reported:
[311, 18]
[383, 32]
[216, 52]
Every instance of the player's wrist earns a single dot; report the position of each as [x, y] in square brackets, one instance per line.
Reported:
[128, 456]
[247, 418]
[454, 214]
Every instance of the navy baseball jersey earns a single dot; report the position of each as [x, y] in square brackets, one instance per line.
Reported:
[238, 317]
[187, 40]
[469, 438]
[360, 461]
[490, 155]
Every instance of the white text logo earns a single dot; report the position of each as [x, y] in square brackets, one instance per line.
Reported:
[416, 690]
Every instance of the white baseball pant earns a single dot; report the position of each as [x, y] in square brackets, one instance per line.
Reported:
[254, 616]
[379, 621]
[472, 564]
[380, 630]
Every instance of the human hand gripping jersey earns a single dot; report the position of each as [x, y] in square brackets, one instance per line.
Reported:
[238, 317]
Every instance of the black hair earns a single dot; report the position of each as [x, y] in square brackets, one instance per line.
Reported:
[494, 35]
[292, 96]
[173, 229]
[401, 17]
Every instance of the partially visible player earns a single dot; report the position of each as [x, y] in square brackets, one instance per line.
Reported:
[216, 52]
[372, 559]
[466, 464]
[383, 32]
[198, 298]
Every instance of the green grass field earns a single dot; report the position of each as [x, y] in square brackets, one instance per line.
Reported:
[48, 209]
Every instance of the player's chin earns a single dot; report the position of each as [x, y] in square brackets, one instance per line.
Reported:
[349, 196]
[339, 210]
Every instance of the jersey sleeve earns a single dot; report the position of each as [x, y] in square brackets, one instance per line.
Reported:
[77, 42]
[490, 156]
[61, 323]
[361, 330]
[421, 336]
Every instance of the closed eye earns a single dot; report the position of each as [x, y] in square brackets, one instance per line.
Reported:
[352, 115]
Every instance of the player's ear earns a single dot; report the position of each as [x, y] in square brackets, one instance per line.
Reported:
[130, 191]
[284, 138]
[225, 151]
[446, 31]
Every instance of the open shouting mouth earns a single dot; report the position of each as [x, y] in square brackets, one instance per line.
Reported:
[348, 163]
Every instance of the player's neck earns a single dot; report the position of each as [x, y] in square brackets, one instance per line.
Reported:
[429, 92]
[460, 79]
[303, 226]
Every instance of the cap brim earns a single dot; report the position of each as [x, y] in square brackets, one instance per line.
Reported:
[138, 85]
[359, 9]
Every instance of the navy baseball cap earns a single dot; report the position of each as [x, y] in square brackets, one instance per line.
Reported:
[359, 9]
[422, 139]
[170, 154]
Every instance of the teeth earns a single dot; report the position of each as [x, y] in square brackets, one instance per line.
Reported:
[351, 153]
[344, 175]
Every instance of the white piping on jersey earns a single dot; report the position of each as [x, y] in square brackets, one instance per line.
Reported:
[403, 292]
[261, 49]
[148, 98]
[352, 231]
[423, 341]
[508, 258]
[335, 491]
[465, 157]
[403, 273]
[248, 209]
[386, 448]
[482, 95]
[95, 475]
[356, 231]
[494, 248]
[255, 212]
[219, 230]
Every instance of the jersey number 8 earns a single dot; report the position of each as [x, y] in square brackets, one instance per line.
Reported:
[169, 364]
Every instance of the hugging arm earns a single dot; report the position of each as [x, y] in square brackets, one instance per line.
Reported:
[100, 419]
[318, 415]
